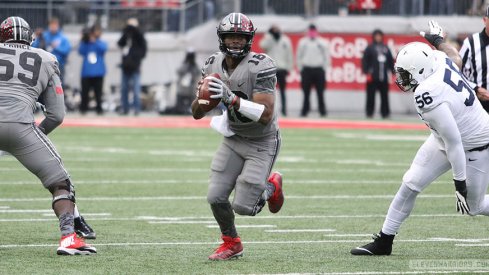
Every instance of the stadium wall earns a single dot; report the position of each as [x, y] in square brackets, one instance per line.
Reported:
[166, 52]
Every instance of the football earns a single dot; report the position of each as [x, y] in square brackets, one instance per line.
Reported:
[205, 101]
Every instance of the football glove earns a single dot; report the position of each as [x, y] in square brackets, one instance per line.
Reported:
[461, 195]
[435, 37]
[221, 91]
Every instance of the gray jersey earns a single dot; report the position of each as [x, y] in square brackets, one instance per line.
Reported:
[254, 74]
[25, 75]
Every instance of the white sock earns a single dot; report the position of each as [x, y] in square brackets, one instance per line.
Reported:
[400, 208]
[76, 214]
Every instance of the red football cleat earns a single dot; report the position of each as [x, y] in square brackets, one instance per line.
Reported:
[276, 201]
[229, 249]
[74, 245]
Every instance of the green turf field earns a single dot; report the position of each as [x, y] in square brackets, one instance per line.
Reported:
[143, 191]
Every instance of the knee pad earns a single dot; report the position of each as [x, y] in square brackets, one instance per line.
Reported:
[242, 210]
[62, 185]
[250, 210]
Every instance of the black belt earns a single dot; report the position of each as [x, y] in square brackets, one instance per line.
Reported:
[482, 148]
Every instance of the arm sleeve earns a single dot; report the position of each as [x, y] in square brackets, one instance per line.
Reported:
[290, 54]
[442, 121]
[265, 43]
[82, 49]
[327, 58]
[299, 54]
[101, 46]
[365, 61]
[390, 61]
[122, 41]
[55, 106]
[64, 47]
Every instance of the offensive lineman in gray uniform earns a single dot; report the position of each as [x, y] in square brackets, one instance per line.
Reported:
[27, 74]
[245, 158]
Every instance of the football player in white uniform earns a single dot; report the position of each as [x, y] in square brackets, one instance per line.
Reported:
[459, 135]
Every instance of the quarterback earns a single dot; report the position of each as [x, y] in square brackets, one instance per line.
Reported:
[29, 74]
[459, 137]
[245, 158]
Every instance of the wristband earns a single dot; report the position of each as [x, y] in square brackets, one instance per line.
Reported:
[251, 109]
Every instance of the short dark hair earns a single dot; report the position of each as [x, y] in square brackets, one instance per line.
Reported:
[377, 31]
[312, 26]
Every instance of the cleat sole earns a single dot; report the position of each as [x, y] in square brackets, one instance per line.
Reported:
[71, 252]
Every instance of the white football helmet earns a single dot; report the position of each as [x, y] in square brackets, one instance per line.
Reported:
[414, 63]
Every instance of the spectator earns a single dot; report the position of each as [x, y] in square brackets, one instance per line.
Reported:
[92, 49]
[377, 62]
[133, 46]
[278, 46]
[54, 41]
[312, 61]
[189, 74]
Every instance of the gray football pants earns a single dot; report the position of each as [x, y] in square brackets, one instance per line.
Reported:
[242, 164]
[34, 150]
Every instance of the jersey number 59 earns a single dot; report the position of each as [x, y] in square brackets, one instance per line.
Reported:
[29, 61]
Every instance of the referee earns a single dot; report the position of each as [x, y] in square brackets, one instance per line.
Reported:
[475, 59]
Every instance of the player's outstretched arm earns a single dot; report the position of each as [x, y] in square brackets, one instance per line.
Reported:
[436, 37]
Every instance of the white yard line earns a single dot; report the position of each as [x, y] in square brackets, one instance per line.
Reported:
[4, 207]
[25, 211]
[187, 198]
[209, 219]
[204, 181]
[206, 170]
[212, 243]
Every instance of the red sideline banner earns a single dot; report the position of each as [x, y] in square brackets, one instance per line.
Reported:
[346, 51]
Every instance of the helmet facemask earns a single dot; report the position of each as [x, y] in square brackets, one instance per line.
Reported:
[235, 53]
[405, 80]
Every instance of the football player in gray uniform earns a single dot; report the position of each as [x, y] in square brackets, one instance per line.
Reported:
[251, 143]
[28, 74]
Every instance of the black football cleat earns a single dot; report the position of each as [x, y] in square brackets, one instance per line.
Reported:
[382, 245]
[83, 229]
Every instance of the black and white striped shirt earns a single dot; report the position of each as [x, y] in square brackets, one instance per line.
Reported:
[475, 59]
[474, 53]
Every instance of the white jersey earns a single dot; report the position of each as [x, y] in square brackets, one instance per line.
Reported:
[446, 85]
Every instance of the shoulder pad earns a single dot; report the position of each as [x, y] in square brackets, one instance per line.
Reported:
[210, 61]
[259, 62]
